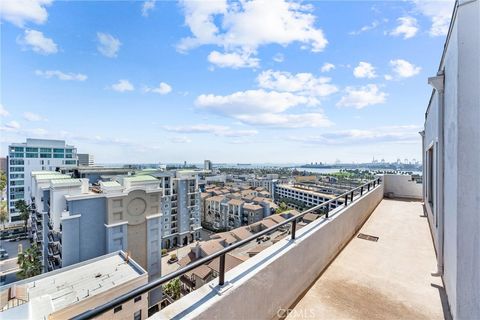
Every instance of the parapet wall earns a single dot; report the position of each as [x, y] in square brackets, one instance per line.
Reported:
[402, 186]
[264, 285]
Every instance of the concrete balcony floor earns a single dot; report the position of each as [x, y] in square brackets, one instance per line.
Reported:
[387, 279]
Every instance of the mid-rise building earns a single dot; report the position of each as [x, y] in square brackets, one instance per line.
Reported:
[300, 197]
[33, 155]
[68, 292]
[3, 164]
[85, 159]
[207, 165]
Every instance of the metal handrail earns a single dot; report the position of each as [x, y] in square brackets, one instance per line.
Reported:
[155, 283]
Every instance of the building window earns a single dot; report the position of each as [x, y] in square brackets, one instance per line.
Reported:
[430, 176]
[137, 299]
[117, 309]
[137, 315]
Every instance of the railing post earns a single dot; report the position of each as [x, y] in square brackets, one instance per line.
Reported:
[351, 197]
[346, 200]
[361, 191]
[368, 186]
[294, 228]
[221, 280]
[327, 210]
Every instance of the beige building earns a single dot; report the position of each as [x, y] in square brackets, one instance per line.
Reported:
[70, 291]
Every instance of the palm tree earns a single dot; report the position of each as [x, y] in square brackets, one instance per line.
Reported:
[24, 210]
[29, 263]
[172, 288]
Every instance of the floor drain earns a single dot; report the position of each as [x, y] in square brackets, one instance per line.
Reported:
[367, 237]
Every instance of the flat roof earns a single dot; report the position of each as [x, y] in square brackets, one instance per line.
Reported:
[52, 176]
[140, 178]
[67, 286]
[57, 182]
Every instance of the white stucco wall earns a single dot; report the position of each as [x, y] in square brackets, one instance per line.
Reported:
[277, 276]
[402, 186]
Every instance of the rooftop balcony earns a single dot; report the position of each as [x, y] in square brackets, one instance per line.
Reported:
[328, 268]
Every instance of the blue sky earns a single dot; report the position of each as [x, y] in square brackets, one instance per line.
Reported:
[250, 81]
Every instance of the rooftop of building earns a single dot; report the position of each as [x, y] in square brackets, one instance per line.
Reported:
[140, 178]
[56, 290]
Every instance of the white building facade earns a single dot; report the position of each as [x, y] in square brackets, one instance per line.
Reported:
[451, 154]
[33, 155]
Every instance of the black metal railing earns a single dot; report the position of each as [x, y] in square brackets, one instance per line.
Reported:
[323, 208]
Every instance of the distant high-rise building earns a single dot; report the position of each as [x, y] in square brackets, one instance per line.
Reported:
[33, 155]
[3, 164]
[207, 165]
[85, 159]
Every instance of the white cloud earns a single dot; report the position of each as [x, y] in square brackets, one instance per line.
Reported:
[252, 102]
[217, 130]
[407, 27]
[3, 112]
[108, 45]
[243, 26]
[327, 67]
[12, 125]
[20, 12]
[122, 86]
[180, 140]
[282, 120]
[148, 6]
[388, 77]
[364, 70]
[303, 83]
[61, 75]
[279, 57]
[36, 41]
[399, 134]
[360, 97]
[163, 88]
[30, 116]
[439, 12]
[366, 28]
[233, 60]
[404, 69]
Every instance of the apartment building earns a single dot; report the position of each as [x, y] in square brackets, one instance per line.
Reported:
[300, 197]
[451, 157]
[33, 155]
[85, 159]
[70, 291]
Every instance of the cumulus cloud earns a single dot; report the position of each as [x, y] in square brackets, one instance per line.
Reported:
[407, 27]
[3, 112]
[11, 126]
[123, 85]
[439, 12]
[233, 60]
[37, 42]
[390, 134]
[30, 116]
[364, 70]
[327, 67]
[404, 69]
[19, 12]
[361, 97]
[243, 26]
[162, 89]
[61, 75]
[217, 130]
[147, 7]
[302, 83]
[252, 102]
[108, 45]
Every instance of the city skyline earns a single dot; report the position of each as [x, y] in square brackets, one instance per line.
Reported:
[192, 81]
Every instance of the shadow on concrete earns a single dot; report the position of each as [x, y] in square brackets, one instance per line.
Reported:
[443, 297]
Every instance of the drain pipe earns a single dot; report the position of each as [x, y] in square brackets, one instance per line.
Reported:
[438, 83]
